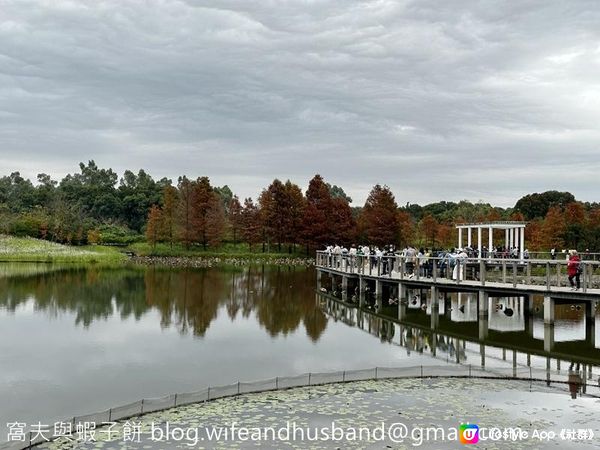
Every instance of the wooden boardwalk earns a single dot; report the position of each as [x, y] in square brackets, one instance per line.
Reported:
[512, 277]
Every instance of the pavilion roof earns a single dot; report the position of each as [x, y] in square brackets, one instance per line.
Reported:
[496, 225]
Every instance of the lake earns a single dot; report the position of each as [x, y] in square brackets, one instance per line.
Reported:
[78, 340]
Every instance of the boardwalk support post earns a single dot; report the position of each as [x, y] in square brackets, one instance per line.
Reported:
[548, 323]
[483, 307]
[482, 272]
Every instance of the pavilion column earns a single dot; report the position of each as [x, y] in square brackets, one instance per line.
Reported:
[522, 242]
[479, 241]
[510, 238]
[460, 238]
[469, 242]
[506, 239]
[490, 241]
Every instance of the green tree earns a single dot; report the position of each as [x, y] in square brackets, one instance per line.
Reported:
[137, 193]
[537, 205]
[94, 191]
[46, 189]
[338, 192]
[17, 193]
[225, 195]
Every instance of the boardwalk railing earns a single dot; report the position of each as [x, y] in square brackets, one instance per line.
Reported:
[473, 271]
[145, 406]
[588, 256]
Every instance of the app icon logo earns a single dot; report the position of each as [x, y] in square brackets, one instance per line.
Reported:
[469, 433]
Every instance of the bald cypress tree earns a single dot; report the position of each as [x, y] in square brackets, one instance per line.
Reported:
[379, 217]
[234, 216]
[154, 226]
[188, 234]
[317, 223]
[250, 223]
[169, 212]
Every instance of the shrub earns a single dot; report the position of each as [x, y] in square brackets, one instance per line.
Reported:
[111, 234]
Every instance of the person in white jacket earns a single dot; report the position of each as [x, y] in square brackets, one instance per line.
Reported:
[461, 259]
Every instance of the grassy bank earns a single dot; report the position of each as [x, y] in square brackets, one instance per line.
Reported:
[36, 250]
[24, 249]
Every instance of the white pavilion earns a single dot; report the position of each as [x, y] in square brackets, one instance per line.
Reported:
[514, 234]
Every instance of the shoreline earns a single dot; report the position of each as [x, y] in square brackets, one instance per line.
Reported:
[30, 250]
[214, 261]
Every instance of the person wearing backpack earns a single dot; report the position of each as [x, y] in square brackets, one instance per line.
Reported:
[574, 270]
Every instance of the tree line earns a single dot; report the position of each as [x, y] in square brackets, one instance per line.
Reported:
[95, 205]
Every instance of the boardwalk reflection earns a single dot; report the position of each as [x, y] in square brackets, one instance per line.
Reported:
[510, 332]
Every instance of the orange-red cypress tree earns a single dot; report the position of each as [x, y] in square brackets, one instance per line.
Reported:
[317, 223]
[235, 217]
[169, 212]
[273, 209]
[294, 201]
[214, 221]
[379, 218]
[250, 223]
[188, 232]
[154, 225]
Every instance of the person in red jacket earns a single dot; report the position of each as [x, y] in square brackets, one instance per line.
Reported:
[574, 269]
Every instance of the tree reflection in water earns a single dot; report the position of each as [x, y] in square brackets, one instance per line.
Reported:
[281, 298]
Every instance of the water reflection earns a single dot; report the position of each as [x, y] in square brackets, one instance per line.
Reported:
[78, 340]
[507, 322]
[188, 300]
[511, 351]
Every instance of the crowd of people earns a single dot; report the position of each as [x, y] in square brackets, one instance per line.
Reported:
[384, 259]
[413, 257]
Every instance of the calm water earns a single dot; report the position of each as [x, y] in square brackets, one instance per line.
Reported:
[74, 341]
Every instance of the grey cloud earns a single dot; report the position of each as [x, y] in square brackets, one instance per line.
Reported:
[439, 100]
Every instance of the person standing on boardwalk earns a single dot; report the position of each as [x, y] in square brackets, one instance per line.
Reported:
[574, 269]
[411, 255]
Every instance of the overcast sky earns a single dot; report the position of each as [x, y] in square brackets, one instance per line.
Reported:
[443, 100]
